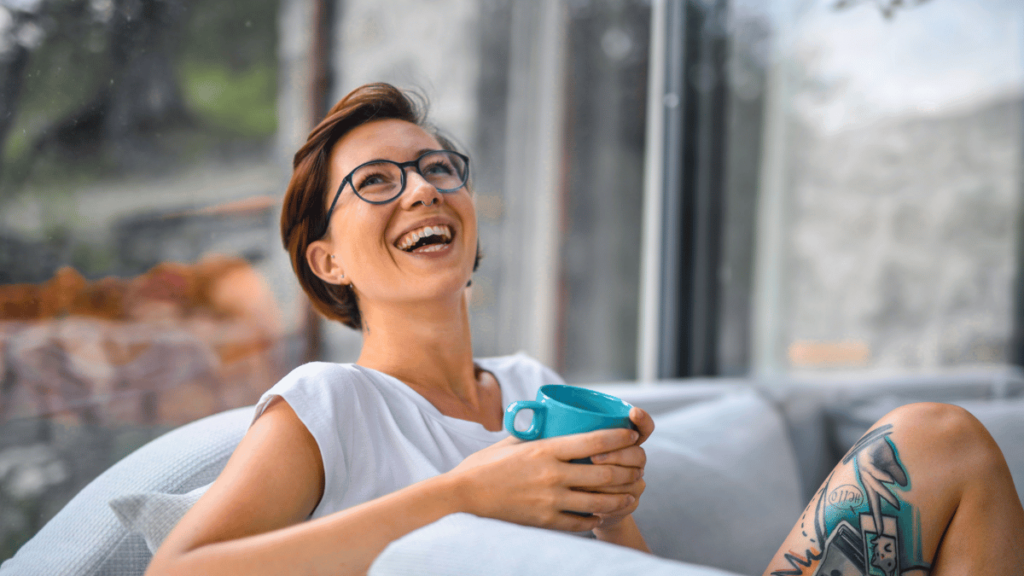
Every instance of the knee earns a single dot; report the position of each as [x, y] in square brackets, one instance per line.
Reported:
[944, 423]
[949, 430]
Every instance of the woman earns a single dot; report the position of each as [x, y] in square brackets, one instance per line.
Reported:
[374, 450]
[380, 225]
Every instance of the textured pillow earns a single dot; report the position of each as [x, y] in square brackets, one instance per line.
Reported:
[86, 538]
[154, 514]
[465, 545]
[722, 484]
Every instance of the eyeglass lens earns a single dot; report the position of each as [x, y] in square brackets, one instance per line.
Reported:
[382, 181]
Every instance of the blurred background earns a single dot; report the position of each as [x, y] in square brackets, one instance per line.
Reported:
[784, 189]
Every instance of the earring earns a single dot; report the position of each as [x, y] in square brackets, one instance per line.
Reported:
[332, 256]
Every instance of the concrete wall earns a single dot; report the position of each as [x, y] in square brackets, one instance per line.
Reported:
[902, 238]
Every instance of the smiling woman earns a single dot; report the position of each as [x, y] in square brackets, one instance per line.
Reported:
[380, 224]
[361, 250]
[305, 220]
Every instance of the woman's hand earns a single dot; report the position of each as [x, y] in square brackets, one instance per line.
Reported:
[632, 456]
[533, 483]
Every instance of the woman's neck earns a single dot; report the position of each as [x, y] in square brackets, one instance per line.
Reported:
[426, 345]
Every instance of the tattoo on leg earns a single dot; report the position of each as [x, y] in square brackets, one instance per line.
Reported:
[864, 529]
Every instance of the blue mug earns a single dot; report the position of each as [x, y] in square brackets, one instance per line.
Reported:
[560, 410]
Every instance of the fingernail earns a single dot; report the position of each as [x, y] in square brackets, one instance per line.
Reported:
[634, 435]
[599, 458]
[630, 499]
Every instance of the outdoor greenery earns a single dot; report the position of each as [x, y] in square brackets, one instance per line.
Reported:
[98, 88]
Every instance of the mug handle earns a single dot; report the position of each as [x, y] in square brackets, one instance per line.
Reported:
[536, 424]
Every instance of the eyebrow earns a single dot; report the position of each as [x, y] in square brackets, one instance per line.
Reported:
[419, 153]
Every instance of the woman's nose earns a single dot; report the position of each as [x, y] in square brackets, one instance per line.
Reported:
[417, 190]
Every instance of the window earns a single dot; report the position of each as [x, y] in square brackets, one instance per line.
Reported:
[890, 186]
[839, 186]
[138, 189]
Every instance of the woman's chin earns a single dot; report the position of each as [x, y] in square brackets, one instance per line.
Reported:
[438, 287]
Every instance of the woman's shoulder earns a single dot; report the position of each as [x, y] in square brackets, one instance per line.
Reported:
[314, 386]
[320, 376]
[319, 371]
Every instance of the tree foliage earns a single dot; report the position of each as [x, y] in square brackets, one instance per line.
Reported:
[90, 87]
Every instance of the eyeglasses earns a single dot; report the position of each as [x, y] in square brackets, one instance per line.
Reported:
[381, 181]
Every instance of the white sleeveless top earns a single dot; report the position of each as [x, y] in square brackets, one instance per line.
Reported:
[376, 435]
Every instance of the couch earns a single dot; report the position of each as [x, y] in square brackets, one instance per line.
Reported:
[730, 467]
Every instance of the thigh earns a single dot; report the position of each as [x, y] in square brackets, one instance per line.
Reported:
[924, 480]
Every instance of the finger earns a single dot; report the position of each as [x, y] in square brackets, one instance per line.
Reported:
[644, 423]
[595, 503]
[570, 522]
[634, 456]
[509, 441]
[589, 443]
[627, 509]
[634, 488]
[589, 476]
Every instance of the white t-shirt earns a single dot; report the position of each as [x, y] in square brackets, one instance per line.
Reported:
[376, 435]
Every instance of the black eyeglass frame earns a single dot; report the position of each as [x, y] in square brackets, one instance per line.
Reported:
[401, 170]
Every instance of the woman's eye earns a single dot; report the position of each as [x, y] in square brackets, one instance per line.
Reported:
[439, 167]
[371, 180]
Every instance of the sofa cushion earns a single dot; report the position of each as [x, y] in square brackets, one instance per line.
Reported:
[722, 484]
[86, 538]
[465, 545]
[154, 514]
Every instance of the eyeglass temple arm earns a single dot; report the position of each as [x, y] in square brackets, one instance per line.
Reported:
[327, 219]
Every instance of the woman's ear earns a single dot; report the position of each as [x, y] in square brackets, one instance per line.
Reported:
[324, 264]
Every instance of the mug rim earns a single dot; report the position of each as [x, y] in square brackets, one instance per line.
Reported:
[620, 401]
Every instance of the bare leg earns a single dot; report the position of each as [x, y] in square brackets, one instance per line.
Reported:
[925, 491]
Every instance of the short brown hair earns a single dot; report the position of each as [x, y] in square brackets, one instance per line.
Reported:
[304, 214]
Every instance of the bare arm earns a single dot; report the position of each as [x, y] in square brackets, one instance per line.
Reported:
[624, 533]
[251, 519]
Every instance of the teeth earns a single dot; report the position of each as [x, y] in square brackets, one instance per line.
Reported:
[413, 237]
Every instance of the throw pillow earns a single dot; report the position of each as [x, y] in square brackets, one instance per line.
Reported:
[722, 484]
[154, 514]
[465, 545]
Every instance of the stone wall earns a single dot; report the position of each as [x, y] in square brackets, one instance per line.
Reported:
[89, 371]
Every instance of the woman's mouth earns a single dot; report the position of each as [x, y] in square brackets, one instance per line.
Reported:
[425, 239]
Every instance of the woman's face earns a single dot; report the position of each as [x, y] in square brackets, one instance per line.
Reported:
[375, 245]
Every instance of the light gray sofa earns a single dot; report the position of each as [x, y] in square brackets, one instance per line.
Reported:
[730, 467]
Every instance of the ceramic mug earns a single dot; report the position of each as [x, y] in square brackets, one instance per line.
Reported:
[560, 410]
